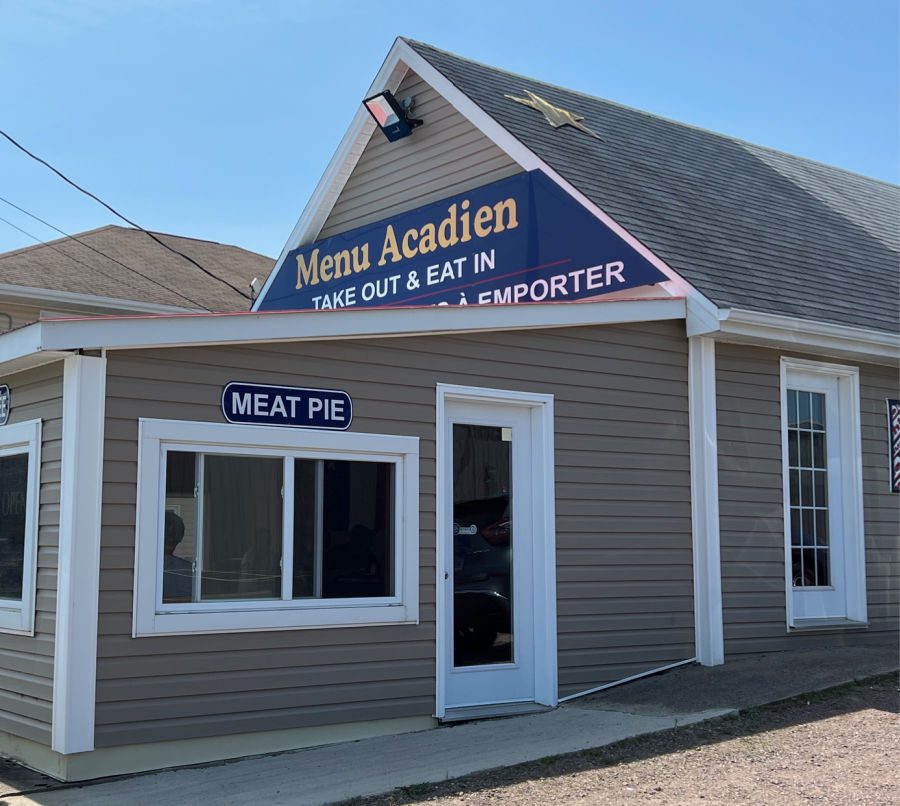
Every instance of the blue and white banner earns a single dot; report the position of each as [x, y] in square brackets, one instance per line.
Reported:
[519, 240]
[295, 407]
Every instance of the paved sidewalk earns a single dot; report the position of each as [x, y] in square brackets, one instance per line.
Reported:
[326, 774]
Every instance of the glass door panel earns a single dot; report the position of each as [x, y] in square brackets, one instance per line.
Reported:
[482, 545]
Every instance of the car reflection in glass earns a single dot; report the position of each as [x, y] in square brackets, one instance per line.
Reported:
[482, 566]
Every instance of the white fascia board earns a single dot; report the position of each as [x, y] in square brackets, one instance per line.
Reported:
[135, 332]
[805, 335]
[342, 163]
[45, 296]
[702, 313]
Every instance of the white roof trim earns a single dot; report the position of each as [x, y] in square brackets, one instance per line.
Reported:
[804, 335]
[37, 296]
[136, 332]
[702, 312]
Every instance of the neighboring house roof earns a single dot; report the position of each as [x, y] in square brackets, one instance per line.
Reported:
[747, 226]
[154, 274]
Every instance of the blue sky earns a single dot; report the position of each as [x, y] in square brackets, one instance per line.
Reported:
[215, 119]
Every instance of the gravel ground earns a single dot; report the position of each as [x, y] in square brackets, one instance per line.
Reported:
[838, 747]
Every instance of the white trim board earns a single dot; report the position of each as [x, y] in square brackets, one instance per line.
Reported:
[134, 332]
[546, 684]
[708, 628]
[401, 58]
[806, 335]
[28, 295]
[78, 578]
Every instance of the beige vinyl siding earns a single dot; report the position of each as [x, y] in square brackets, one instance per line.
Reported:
[26, 662]
[445, 156]
[623, 510]
[752, 508]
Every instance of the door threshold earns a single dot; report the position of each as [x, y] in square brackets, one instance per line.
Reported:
[469, 712]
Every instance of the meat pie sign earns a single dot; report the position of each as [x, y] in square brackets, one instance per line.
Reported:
[291, 406]
[893, 410]
[522, 239]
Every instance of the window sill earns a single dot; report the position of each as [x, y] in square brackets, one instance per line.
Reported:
[816, 624]
[270, 620]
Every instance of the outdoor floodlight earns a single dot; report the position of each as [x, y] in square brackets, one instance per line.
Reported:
[390, 116]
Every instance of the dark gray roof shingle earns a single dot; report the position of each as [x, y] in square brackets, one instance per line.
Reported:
[159, 275]
[747, 226]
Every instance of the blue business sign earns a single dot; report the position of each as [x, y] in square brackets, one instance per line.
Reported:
[262, 404]
[522, 239]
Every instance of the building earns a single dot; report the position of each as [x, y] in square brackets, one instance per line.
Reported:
[116, 269]
[660, 438]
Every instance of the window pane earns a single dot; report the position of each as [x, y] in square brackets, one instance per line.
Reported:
[180, 529]
[804, 415]
[809, 568]
[792, 408]
[796, 568]
[822, 572]
[307, 580]
[821, 487]
[818, 411]
[795, 526]
[821, 527]
[820, 458]
[805, 449]
[806, 487]
[357, 528]
[809, 536]
[793, 449]
[13, 499]
[242, 520]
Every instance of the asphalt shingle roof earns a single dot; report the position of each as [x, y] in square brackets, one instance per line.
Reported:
[747, 226]
[158, 276]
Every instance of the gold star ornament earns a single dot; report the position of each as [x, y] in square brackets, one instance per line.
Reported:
[554, 115]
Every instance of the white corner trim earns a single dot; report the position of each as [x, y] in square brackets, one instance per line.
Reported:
[708, 627]
[75, 653]
[546, 683]
[822, 338]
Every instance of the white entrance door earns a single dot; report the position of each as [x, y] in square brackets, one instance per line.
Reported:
[816, 533]
[488, 547]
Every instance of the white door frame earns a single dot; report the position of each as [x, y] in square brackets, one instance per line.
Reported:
[544, 509]
[847, 489]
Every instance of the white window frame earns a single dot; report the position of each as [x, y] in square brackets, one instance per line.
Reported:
[848, 433]
[152, 617]
[17, 616]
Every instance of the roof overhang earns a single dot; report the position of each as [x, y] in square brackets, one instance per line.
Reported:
[28, 295]
[804, 335]
[54, 338]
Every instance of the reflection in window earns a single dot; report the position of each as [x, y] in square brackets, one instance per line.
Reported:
[808, 468]
[13, 497]
[223, 533]
[342, 529]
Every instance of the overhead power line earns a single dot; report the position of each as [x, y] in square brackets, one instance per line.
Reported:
[116, 213]
[93, 249]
